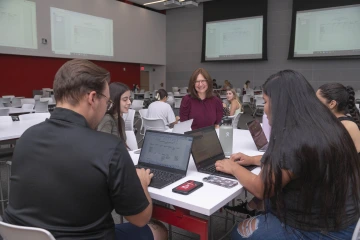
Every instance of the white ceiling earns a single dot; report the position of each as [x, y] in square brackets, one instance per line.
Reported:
[158, 6]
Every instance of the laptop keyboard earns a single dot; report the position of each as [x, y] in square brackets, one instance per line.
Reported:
[212, 170]
[162, 178]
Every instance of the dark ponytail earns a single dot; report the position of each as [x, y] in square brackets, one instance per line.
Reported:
[161, 93]
[353, 111]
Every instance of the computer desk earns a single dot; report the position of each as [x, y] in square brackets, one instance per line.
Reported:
[206, 200]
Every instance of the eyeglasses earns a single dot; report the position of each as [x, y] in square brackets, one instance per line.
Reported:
[109, 102]
[200, 81]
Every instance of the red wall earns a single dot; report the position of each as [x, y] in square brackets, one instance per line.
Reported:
[19, 75]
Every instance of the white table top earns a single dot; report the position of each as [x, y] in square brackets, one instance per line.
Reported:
[209, 198]
[180, 95]
[14, 130]
[14, 110]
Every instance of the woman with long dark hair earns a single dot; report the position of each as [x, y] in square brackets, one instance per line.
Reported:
[113, 122]
[310, 172]
[341, 102]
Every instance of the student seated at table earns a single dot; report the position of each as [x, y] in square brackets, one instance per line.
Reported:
[215, 86]
[113, 122]
[227, 85]
[233, 102]
[341, 102]
[161, 109]
[246, 87]
[67, 178]
[310, 172]
[201, 104]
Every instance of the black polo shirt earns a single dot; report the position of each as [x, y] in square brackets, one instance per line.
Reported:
[67, 178]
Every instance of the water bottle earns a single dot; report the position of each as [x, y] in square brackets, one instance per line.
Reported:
[266, 127]
[226, 136]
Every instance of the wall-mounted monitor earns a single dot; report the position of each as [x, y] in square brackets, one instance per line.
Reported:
[234, 30]
[75, 33]
[234, 39]
[18, 24]
[330, 32]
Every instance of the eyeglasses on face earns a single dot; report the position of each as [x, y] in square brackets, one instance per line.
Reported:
[198, 82]
[108, 102]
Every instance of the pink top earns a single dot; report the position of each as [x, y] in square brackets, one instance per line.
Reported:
[207, 112]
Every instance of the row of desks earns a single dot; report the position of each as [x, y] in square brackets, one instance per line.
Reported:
[206, 200]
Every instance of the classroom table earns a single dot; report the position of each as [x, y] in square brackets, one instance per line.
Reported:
[17, 111]
[14, 130]
[206, 200]
[181, 95]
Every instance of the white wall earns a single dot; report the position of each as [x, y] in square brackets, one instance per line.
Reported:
[139, 34]
[157, 75]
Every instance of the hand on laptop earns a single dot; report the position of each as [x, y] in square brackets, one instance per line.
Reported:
[246, 160]
[145, 176]
[226, 166]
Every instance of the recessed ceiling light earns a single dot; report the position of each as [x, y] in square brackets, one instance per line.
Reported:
[154, 2]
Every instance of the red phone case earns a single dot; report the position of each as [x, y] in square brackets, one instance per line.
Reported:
[187, 187]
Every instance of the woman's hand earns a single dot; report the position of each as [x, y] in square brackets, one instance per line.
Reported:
[227, 166]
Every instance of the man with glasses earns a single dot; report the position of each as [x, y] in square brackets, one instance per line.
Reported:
[67, 177]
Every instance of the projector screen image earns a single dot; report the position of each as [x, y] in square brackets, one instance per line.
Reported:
[328, 32]
[75, 33]
[18, 24]
[234, 39]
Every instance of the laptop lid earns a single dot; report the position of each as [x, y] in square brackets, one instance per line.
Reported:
[182, 127]
[166, 151]
[258, 135]
[206, 149]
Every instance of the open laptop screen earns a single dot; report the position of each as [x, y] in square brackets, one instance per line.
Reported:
[206, 145]
[166, 150]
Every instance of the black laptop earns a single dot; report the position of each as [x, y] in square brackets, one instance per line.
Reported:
[206, 150]
[167, 156]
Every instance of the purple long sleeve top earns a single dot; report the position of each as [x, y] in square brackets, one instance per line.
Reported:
[207, 112]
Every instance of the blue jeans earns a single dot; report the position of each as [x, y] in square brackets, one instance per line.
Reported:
[128, 231]
[272, 228]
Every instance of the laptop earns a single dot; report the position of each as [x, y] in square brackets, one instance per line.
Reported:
[167, 156]
[182, 127]
[258, 135]
[206, 150]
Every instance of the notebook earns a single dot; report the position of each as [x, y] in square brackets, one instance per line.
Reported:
[206, 150]
[258, 135]
[167, 156]
[182, 127]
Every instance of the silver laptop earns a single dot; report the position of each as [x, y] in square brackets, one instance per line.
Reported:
[182, 127]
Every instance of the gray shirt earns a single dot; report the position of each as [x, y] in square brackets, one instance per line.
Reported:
[109, 125]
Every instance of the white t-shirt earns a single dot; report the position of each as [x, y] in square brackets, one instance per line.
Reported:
[161, 110]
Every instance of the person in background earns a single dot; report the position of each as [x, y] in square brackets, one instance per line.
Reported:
[227, 85]
[246, 86]
[201, 104]
[215, 86]
[234, 104]
[161, 109]
[310, 160]
[161, 85]
[136, 88]
[78, 175]
[113, 122]
[341, 102]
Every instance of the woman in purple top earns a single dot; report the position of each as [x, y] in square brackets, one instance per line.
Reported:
[201, 104]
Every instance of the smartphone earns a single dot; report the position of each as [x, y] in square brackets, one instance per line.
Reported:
[187, 187]
[222, 182]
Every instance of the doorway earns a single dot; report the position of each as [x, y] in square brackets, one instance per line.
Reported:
[144, 80]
